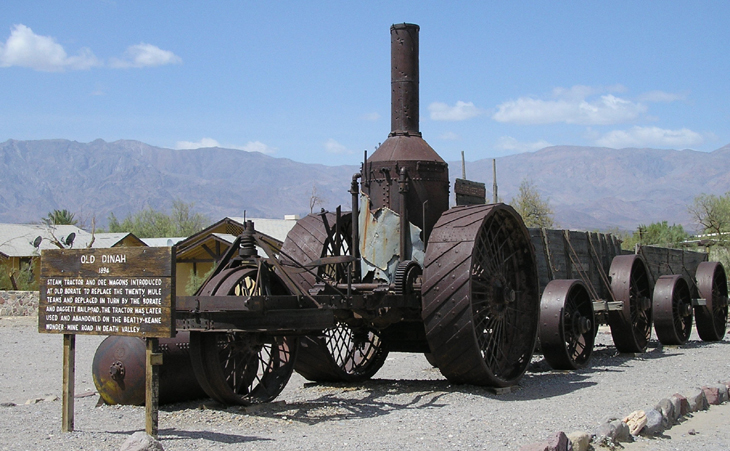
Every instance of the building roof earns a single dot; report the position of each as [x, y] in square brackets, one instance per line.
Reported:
[162, 242]
[210, 244]
[275, 228]
[17, 240]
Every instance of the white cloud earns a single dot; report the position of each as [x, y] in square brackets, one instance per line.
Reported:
[251, 146]
[145, 55]
[42, 53]
[257, 146]
[334, 147]
[512, 145]
[459, 112]
[650, 136]
[661, 96]
[372, 117]
[450, 136]
[570, 106]
[27, 49]
[203, 143]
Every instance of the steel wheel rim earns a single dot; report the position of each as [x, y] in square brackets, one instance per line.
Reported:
[243, 367]
[352, 351]
[344, 352]
[496, 308]
[711, 319]
[480, 295]
[631, 327]
[567, 325]
[672, 309]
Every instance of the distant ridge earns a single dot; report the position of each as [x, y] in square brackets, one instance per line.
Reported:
[588, 187]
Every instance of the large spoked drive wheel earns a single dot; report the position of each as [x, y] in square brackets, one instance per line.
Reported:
[480, 295]
[631, 326]
[672, 308]
[711, 318]
[341, 353]
[567, 324]
[237, 367]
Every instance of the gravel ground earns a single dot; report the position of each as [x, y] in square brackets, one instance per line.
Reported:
[408, 406]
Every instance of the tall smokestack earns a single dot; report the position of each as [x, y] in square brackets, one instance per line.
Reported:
[404, 79]
[405, 174]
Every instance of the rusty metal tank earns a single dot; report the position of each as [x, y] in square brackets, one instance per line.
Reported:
[118, 370]
[405, 151]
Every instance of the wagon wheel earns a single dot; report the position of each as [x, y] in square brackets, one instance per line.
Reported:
[341, 353]
[242, 367]
[712, 286]
[480, 295]
[672, 308]
[567, 324]
[631, 326]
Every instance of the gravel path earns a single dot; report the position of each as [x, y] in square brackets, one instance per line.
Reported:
[408, 406]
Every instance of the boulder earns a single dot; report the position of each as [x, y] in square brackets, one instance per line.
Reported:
[666, 408]
[697, 400]
[654, 422]
[559, 442]
[140, 441]
[636, 421]
[681, 405]
[712, 394]
[580, 440]
[722, 392]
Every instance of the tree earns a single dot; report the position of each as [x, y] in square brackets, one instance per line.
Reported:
[150, 223]
[314, 199]
[535, 211]
[659, 233]
[22, 279]
[60, 217]
[712, 213]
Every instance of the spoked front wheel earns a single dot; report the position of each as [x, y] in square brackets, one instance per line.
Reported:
[242, 367]
[341, 353]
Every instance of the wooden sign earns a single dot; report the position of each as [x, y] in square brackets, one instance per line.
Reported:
[115, 291]
[470, 193]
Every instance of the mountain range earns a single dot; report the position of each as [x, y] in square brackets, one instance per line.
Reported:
[588, 187]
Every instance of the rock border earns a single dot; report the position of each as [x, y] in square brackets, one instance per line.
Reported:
[651, 421]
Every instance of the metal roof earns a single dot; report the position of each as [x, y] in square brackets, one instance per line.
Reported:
[16, 240]
[275, 228]
[162, 242]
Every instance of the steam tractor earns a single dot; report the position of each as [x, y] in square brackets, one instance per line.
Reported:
[404, 272]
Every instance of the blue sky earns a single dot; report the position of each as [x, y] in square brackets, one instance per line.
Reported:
[310, 80]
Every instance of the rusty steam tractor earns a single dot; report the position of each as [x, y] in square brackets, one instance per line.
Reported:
[404, 272]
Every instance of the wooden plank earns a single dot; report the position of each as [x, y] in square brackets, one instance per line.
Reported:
[69, 378]
[556, 248]
[125, 291]
[544, 272]
[664, 261]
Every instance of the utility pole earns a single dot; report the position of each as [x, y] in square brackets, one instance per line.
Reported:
[495, 197]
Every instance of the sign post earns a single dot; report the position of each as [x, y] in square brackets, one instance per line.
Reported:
[119, 291]
[69, 376]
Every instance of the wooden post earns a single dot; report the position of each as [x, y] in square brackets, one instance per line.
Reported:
[69, 378]
[152, 389]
